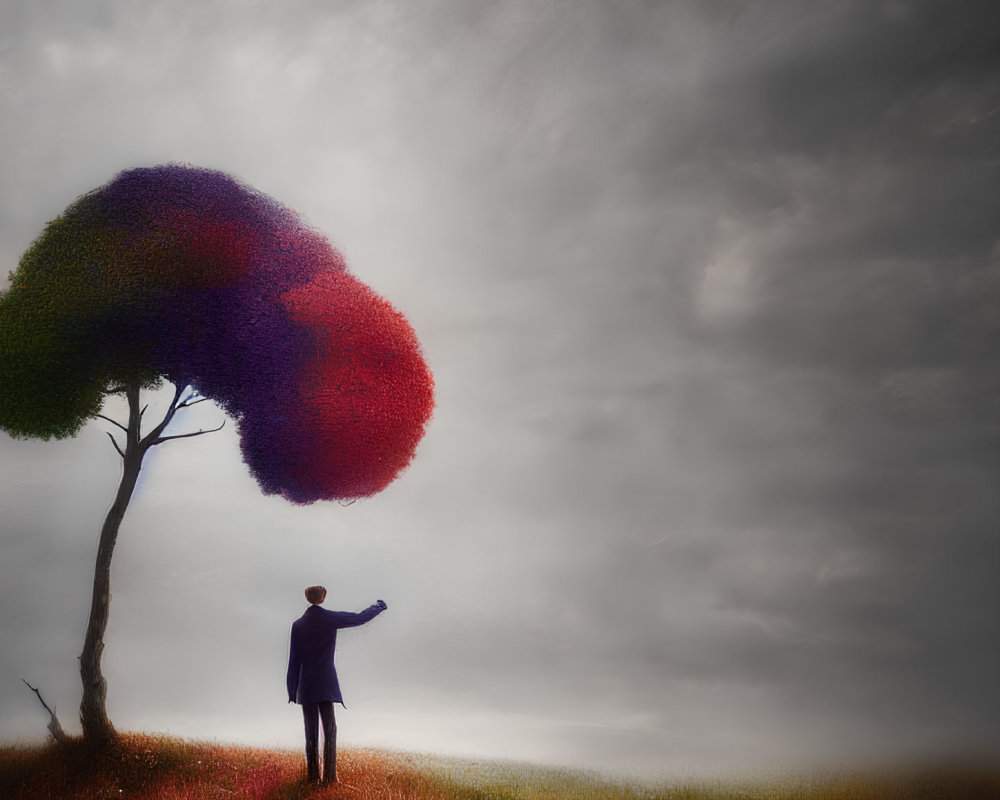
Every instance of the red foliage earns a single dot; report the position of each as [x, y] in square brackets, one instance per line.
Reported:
[365, 389]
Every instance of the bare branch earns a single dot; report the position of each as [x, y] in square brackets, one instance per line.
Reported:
[191, 396]
[160, 439]
[54, 727]
[112, 438]
[178, 391]
[153, 437]
[113, 422]
[40, 698]
[189, 402]
[143, 411]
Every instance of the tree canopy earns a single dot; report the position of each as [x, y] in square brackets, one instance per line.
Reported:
[189, 275]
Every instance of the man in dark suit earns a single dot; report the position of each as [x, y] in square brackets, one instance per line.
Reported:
[312, 677]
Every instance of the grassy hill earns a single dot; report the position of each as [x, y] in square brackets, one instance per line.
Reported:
[163, 768]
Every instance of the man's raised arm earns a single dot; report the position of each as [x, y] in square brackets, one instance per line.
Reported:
[347, 619]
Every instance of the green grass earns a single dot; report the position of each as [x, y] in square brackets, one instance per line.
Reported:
[500, 781]
[164, 768]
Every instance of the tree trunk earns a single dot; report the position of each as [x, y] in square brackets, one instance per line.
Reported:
[97, 727]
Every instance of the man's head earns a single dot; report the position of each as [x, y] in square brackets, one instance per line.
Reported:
[315, 595]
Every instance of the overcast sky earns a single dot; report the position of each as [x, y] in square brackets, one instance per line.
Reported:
[711, 291]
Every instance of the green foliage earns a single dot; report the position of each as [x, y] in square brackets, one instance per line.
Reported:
[56, 364]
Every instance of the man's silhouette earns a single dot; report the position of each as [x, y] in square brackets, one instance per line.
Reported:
[312, 677]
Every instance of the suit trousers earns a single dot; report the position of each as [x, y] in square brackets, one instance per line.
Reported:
[312, 713]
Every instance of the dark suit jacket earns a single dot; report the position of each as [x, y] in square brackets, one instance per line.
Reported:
[312, 677]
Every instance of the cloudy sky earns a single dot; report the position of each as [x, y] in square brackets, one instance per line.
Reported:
[711, 291]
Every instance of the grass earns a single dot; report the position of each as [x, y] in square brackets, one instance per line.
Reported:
[152, 767]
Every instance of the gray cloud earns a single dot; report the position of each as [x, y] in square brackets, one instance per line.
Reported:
[710, 291]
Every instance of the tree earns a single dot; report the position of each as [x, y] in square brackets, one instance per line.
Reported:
[187, 275]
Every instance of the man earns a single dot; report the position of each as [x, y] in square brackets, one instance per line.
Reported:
[312, 677]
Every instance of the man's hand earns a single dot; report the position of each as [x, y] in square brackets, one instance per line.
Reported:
[381, 604]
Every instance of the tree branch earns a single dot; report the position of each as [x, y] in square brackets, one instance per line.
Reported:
[120, 451]
[190, 402]
[113, 422]
[153, 436]
[194, 393]
[54, 727]
[160, 439]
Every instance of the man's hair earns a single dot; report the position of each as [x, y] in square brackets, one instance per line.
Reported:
[315, 594]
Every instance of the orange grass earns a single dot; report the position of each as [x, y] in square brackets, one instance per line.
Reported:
[151, 767]
[163, 768]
